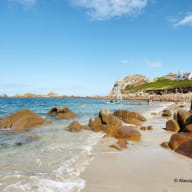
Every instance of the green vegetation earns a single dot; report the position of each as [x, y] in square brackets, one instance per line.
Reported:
[160, 83]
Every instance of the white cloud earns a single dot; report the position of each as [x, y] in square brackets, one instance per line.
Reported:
[105, 9]
[187, 20]
[153, 64]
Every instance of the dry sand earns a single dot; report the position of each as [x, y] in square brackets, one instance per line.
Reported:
[143, 167]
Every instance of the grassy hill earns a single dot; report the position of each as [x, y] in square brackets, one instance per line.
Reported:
[160, 83]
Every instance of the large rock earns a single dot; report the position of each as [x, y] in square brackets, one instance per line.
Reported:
[128, 133]
[62, 113]
[75, 126]
[185, 149]
[172, 125]
[21, 120]
[106, 122]
[184, 119]
[178, 139]
[130, 117]
[166, 113]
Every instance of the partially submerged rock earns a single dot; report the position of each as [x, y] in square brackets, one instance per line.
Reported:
[166, 113]
[62, 113]
[130, 117]
[21, 120]
[172, 125]
[75, 126]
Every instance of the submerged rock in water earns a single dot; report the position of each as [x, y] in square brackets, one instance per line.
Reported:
[21, 120]
[75, 126]
[172, 125]
[62, 113]
[106, 122]
[166, 113]
[130, 117]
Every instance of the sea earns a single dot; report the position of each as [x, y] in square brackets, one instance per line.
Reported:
[49, 158]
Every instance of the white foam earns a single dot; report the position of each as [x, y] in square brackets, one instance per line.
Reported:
[159, 109]
[35, 184]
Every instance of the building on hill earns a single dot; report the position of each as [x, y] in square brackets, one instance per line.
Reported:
[184, 76]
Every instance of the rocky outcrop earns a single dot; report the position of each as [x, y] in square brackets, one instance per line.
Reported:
[166, 113]
[172, 125]
[62, 113]
[128, 133]
[178, 139]
[21, 120]
[3, 96]
[181, 142]
[130, 117]
[106, 122]
[75, 126]
[129, 81]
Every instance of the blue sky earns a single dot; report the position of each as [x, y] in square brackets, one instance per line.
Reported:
[81, 47]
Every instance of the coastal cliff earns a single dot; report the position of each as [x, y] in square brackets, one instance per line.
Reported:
[167, 84]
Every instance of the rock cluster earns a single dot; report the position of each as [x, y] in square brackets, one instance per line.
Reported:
[111, 124]
[181, 142]
[62, 113]
[21, 120]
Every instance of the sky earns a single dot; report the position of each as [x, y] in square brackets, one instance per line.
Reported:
[81, 47]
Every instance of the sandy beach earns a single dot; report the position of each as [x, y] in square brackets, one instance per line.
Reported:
[144, 166]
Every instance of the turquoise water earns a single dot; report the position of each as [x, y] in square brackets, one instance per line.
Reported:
[49, 158]
[42, 105]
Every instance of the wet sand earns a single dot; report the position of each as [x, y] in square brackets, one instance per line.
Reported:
[144, 166]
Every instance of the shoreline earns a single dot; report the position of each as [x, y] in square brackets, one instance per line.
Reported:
[161, 98]
[144, 166]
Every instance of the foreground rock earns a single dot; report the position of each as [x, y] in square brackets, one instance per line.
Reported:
[75, 126]
[21, 120]
[185, 149]
[130, 117]
[62, 113]
[178, 139]
[184, 119]
[128, 133]
[106, 122]
[172, 125]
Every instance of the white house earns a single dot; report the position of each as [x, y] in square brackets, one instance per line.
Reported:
[184, 76]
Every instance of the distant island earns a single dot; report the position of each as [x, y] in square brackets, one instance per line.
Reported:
[138, 87]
